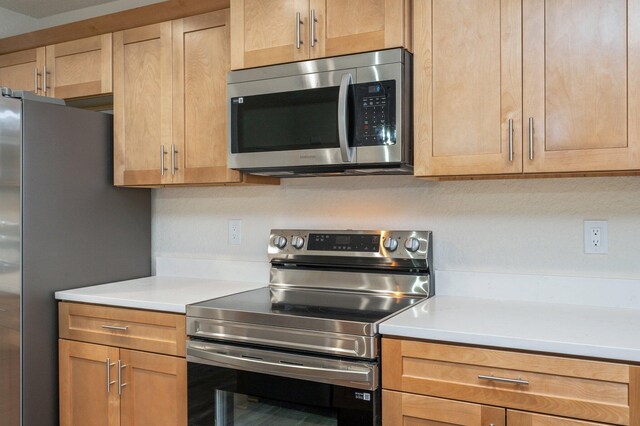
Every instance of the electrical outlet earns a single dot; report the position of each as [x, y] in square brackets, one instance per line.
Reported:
[596, 239]
[235, 231]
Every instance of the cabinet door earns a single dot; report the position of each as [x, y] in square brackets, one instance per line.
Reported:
[417, 410]
[200, 64]
[154, 389]
[351, 26]
[468, 87]
[519, 418]
[582, 84]
[142, 105]
[265, 32]
[23, 70]
[88, 394]
[80, 67]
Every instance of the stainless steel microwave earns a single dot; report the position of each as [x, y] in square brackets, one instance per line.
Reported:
[344, 115]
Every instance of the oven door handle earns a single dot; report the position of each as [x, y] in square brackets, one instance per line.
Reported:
[321, 374]
[343, 106]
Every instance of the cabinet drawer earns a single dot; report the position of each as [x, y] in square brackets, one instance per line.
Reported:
[157, 332]
[582, 389]
[518, 418]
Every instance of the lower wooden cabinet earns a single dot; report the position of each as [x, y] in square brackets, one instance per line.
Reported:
[108, 386]
[428, 383]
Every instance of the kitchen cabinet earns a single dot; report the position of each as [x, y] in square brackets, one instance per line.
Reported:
[461, 381]
[170, 118]
[533, 86]
[109, 373]
[78, 68]
[23, 70]
[272, 32]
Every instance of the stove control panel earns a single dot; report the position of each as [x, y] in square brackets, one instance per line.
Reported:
[289, 243]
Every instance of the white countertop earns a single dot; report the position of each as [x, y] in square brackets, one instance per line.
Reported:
[170, 294]
[590, 331]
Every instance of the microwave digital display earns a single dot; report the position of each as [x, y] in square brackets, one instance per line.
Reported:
[375, 113]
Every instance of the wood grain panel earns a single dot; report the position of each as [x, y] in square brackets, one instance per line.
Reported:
[519, 418]
[562, 386]
[84, 399]
[467, 86]
[17, 70]
[132, 18]
[580, 84]
[156, 390]
[408, 409]
[149, 331]
[142, 104]
[201, 60]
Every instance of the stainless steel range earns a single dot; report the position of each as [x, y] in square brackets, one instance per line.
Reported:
[305, 349]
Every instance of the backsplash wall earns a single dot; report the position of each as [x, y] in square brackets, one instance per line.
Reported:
[513, 226]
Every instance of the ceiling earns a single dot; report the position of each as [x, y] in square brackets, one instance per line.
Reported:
[44, 8]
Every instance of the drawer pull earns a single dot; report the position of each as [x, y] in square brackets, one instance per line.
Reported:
[503, 380]
[116, 327]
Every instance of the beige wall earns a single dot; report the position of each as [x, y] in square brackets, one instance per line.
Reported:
[522, 226]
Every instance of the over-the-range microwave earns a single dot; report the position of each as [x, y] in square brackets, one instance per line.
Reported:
[344, 115]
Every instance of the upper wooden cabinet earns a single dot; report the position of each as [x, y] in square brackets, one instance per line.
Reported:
[276, 31]
[170, 117]
[563, 76]
[74, 69]
[582, 85]
[23, 70]
[79, 68]
[468, 87]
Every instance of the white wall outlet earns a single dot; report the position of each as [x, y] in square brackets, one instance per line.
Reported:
[596, 238]
[235, 231]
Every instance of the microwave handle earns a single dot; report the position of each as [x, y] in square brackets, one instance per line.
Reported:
[343, 133]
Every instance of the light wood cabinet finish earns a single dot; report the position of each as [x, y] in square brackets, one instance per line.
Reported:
[582, 84]
[581, 389]
[23, 70]
[145, 330]
[519, 418]
[84, 399]
[156, 389]
[80, 68]
[142, 102]
[417, 410]
[201, 61]
[265, 32]
[467, 86]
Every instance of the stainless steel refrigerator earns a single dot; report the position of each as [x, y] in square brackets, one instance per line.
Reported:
[62, 225]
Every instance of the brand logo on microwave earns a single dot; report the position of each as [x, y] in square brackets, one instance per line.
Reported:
[307, 156]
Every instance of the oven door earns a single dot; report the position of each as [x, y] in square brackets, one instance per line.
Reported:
[232, 385]
[296, 121]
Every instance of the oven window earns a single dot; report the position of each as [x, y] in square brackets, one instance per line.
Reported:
[244, 410]
[303, 119]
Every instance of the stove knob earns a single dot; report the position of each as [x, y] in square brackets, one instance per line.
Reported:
[297, 242]
[279, 241]
[391, 244]
[412, 245]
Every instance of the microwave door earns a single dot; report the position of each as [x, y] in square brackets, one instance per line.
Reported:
[291, 121]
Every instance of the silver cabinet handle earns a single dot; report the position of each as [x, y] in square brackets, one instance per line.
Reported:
[298, 23]
[510, 139]
[503, 380]
[343, 134]
[109, 382]
[531, 138]
[173, 159]
[44, 81]
[162, 154]
[313, 27]
[36, 74]
[116, 327]
[120, 384]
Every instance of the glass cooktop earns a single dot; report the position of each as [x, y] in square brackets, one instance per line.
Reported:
[254, 305]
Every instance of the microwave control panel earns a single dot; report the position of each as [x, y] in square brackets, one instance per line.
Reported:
[375, 113]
